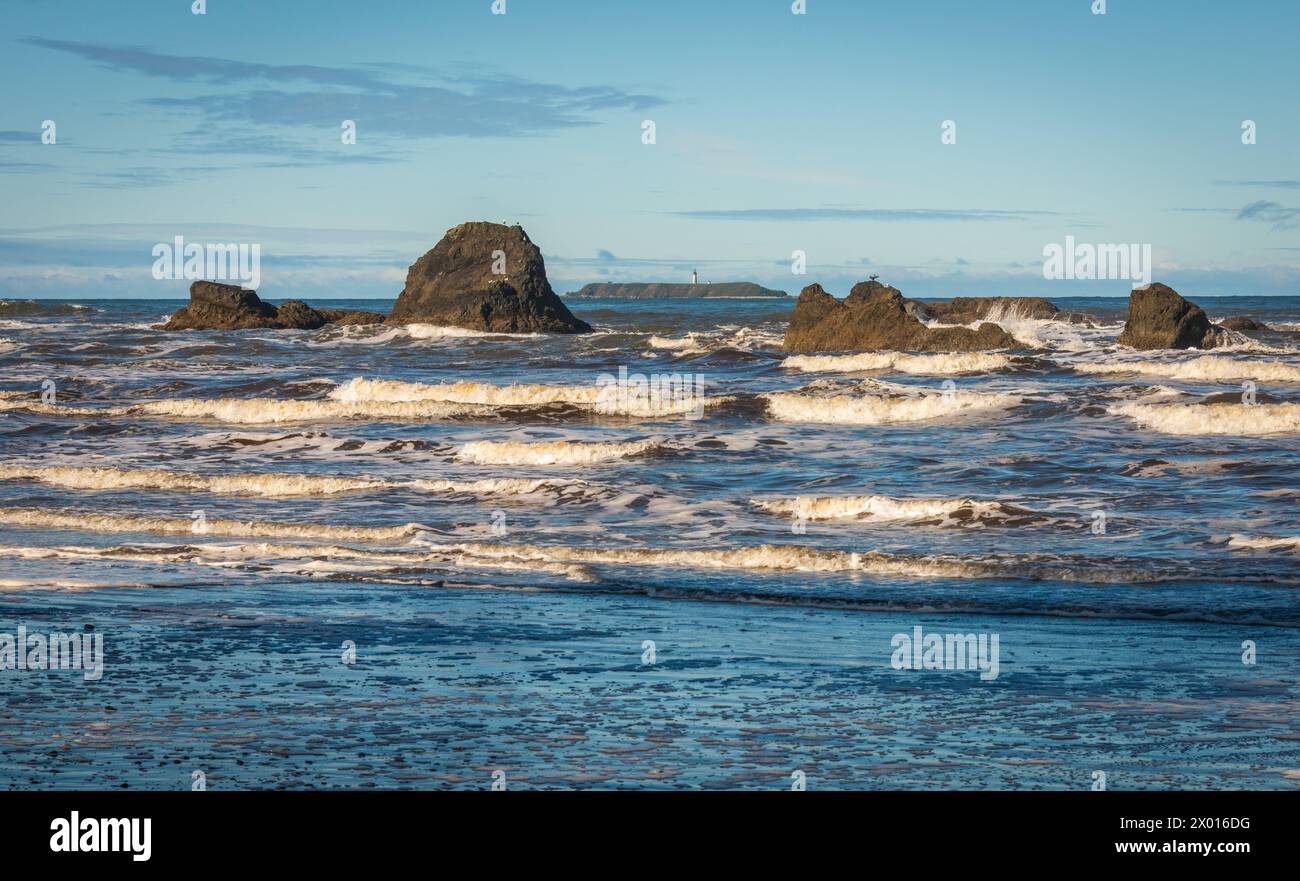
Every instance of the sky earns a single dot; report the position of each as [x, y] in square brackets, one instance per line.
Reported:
[773, 133]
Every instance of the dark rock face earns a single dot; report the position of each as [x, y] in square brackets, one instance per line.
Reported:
[1242, 323]
[296, 313]
[876, 316]
[1158, 318]
[964, 310]
[343, 317]
[216, 306]
[455, 285]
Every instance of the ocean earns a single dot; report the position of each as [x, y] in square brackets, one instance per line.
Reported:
[412, 557]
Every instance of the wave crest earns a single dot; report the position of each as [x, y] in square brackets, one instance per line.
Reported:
[943, 364]
[552, 452]
[267, 485]
[853, 409]
[1213, 419]
[936, 512]
[1208, 367]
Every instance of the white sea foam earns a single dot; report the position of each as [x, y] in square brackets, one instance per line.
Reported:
[262, 411]
[391, 400]
[944, 364]
[88, 522]
[1213, 419]
[610, 399]
[440, 332]
[56, 582]
[850, 409]
[688, 343]
[742, 338]
[757, 558]
[1208, 367]
[938, 512]
[269, 485]
[314, 561]
[1265, 542]
[1037, 333]
[552, 452]
[379, 334]
[360, 390]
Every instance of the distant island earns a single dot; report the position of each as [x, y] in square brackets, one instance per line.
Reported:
[656, 291]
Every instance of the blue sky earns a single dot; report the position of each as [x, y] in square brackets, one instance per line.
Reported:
[775, 132]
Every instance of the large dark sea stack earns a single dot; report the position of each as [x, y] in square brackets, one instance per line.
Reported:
[215, 306]
[484, 276]
[1158, 318]
[876, 316]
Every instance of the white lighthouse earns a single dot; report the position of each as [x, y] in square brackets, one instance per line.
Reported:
[695, 277]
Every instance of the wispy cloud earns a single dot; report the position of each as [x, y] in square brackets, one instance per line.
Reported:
[1276, 184]
[882, 214]
[1270, 212]
[434, 106]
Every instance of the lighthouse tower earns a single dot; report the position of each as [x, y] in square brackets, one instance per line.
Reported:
[695, 277]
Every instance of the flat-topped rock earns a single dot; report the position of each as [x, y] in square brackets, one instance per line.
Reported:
[484, 276]
[876, 316]
[216, 306]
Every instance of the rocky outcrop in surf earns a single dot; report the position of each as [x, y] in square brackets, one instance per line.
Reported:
[1158, 318]
[347, 317]
[876, 316]
[966, 310]
[485, 277]
[1241, 323]
[215, 306]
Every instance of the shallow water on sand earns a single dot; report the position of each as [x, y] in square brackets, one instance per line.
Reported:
[228, 509]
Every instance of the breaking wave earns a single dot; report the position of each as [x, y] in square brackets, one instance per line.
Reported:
[1213, 419]
[269, 485]
[1264, 542]
[88, 522]
[757, 558]
[379, 334]
[744, 339]
[261, 411]
[1208, 367]
[954, 364]
[851, 409]
[1037, 333]
[629, 400]
[925, 512]
[552, 452]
